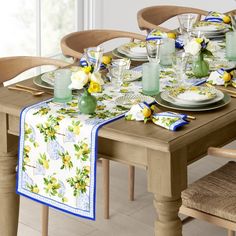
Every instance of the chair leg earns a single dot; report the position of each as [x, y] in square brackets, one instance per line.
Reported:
[131, 182]
[45, 210]
[231, 233]
[106, 183]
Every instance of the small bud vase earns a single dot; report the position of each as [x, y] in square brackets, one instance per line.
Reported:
[87, 103]
[200, 67]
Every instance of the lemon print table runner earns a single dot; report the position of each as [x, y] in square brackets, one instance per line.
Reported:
[58, 149]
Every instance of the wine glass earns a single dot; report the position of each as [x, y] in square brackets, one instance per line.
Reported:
[117, 70]
[153, 50]
[94, 56]
[179, 64]
[186, 22]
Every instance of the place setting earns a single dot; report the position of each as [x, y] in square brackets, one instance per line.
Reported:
[193, 98]
[134, 50]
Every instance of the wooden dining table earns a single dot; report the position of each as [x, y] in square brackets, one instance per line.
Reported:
[164, 153]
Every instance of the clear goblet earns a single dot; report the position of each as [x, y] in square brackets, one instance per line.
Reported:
[186, 22]
[153, 50]
[94, 56]
[117, 70]
[179, 64]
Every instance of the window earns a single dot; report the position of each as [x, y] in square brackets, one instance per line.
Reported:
[35, 27]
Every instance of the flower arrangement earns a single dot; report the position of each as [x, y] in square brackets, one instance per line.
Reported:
[84, 77]
[200, 45]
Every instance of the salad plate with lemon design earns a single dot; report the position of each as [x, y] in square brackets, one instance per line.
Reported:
[134, 50]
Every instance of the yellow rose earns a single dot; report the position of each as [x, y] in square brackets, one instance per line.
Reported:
[106, 60]
[87, 69]
[171, 35]
[94, 87]
[199, 40]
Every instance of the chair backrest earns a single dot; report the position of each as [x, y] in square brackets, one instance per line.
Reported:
[10, 67]
[152, 17]
[73, 44]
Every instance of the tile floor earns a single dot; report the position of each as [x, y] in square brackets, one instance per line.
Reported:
[126, 218]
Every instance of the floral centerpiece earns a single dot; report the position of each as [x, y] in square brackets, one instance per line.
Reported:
[84, 77]
[199, 47]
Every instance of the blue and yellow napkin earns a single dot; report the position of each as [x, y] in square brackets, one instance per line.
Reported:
[223, 77]
[168, 120]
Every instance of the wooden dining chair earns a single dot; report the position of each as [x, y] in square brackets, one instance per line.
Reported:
[213, 197]
[73, 45]
[152, 17]
[10, 67]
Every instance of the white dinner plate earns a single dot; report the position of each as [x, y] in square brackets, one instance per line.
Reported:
[226, 100]
[178, 102]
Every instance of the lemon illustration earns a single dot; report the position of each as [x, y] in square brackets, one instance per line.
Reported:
[49, 186]
[67, 158]
[76, 130]
[226, 77]
[27, 148]
[227, 19]
[35, 190]
[146, 112]
[26, 160]
[64, 199]
[171, 35]
[45, 164]
[106, 59]
[77, 185]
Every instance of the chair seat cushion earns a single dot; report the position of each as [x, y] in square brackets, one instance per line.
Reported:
[215, 193]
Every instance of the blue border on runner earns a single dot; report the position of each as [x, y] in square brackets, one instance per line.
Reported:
[94, 139]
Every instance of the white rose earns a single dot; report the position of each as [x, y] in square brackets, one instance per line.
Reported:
[97, 78]
[193, 47]
[79, 79]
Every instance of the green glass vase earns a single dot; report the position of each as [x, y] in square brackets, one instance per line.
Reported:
[200, 67]
[87, 103]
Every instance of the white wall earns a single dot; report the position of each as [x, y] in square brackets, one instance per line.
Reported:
[122, 14]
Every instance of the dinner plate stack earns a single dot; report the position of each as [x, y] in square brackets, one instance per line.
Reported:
[195, 98]
[134, 50]
[210, 30]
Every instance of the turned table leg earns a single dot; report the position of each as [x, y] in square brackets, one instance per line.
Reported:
[9, 200]
[167, 177]
[168, 222]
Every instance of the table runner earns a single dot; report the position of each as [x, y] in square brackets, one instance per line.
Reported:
[58, 151]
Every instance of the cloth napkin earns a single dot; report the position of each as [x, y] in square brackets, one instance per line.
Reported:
[87, 61]
[169, 120]
[214, 16]
[217, 77]
[156, 34]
